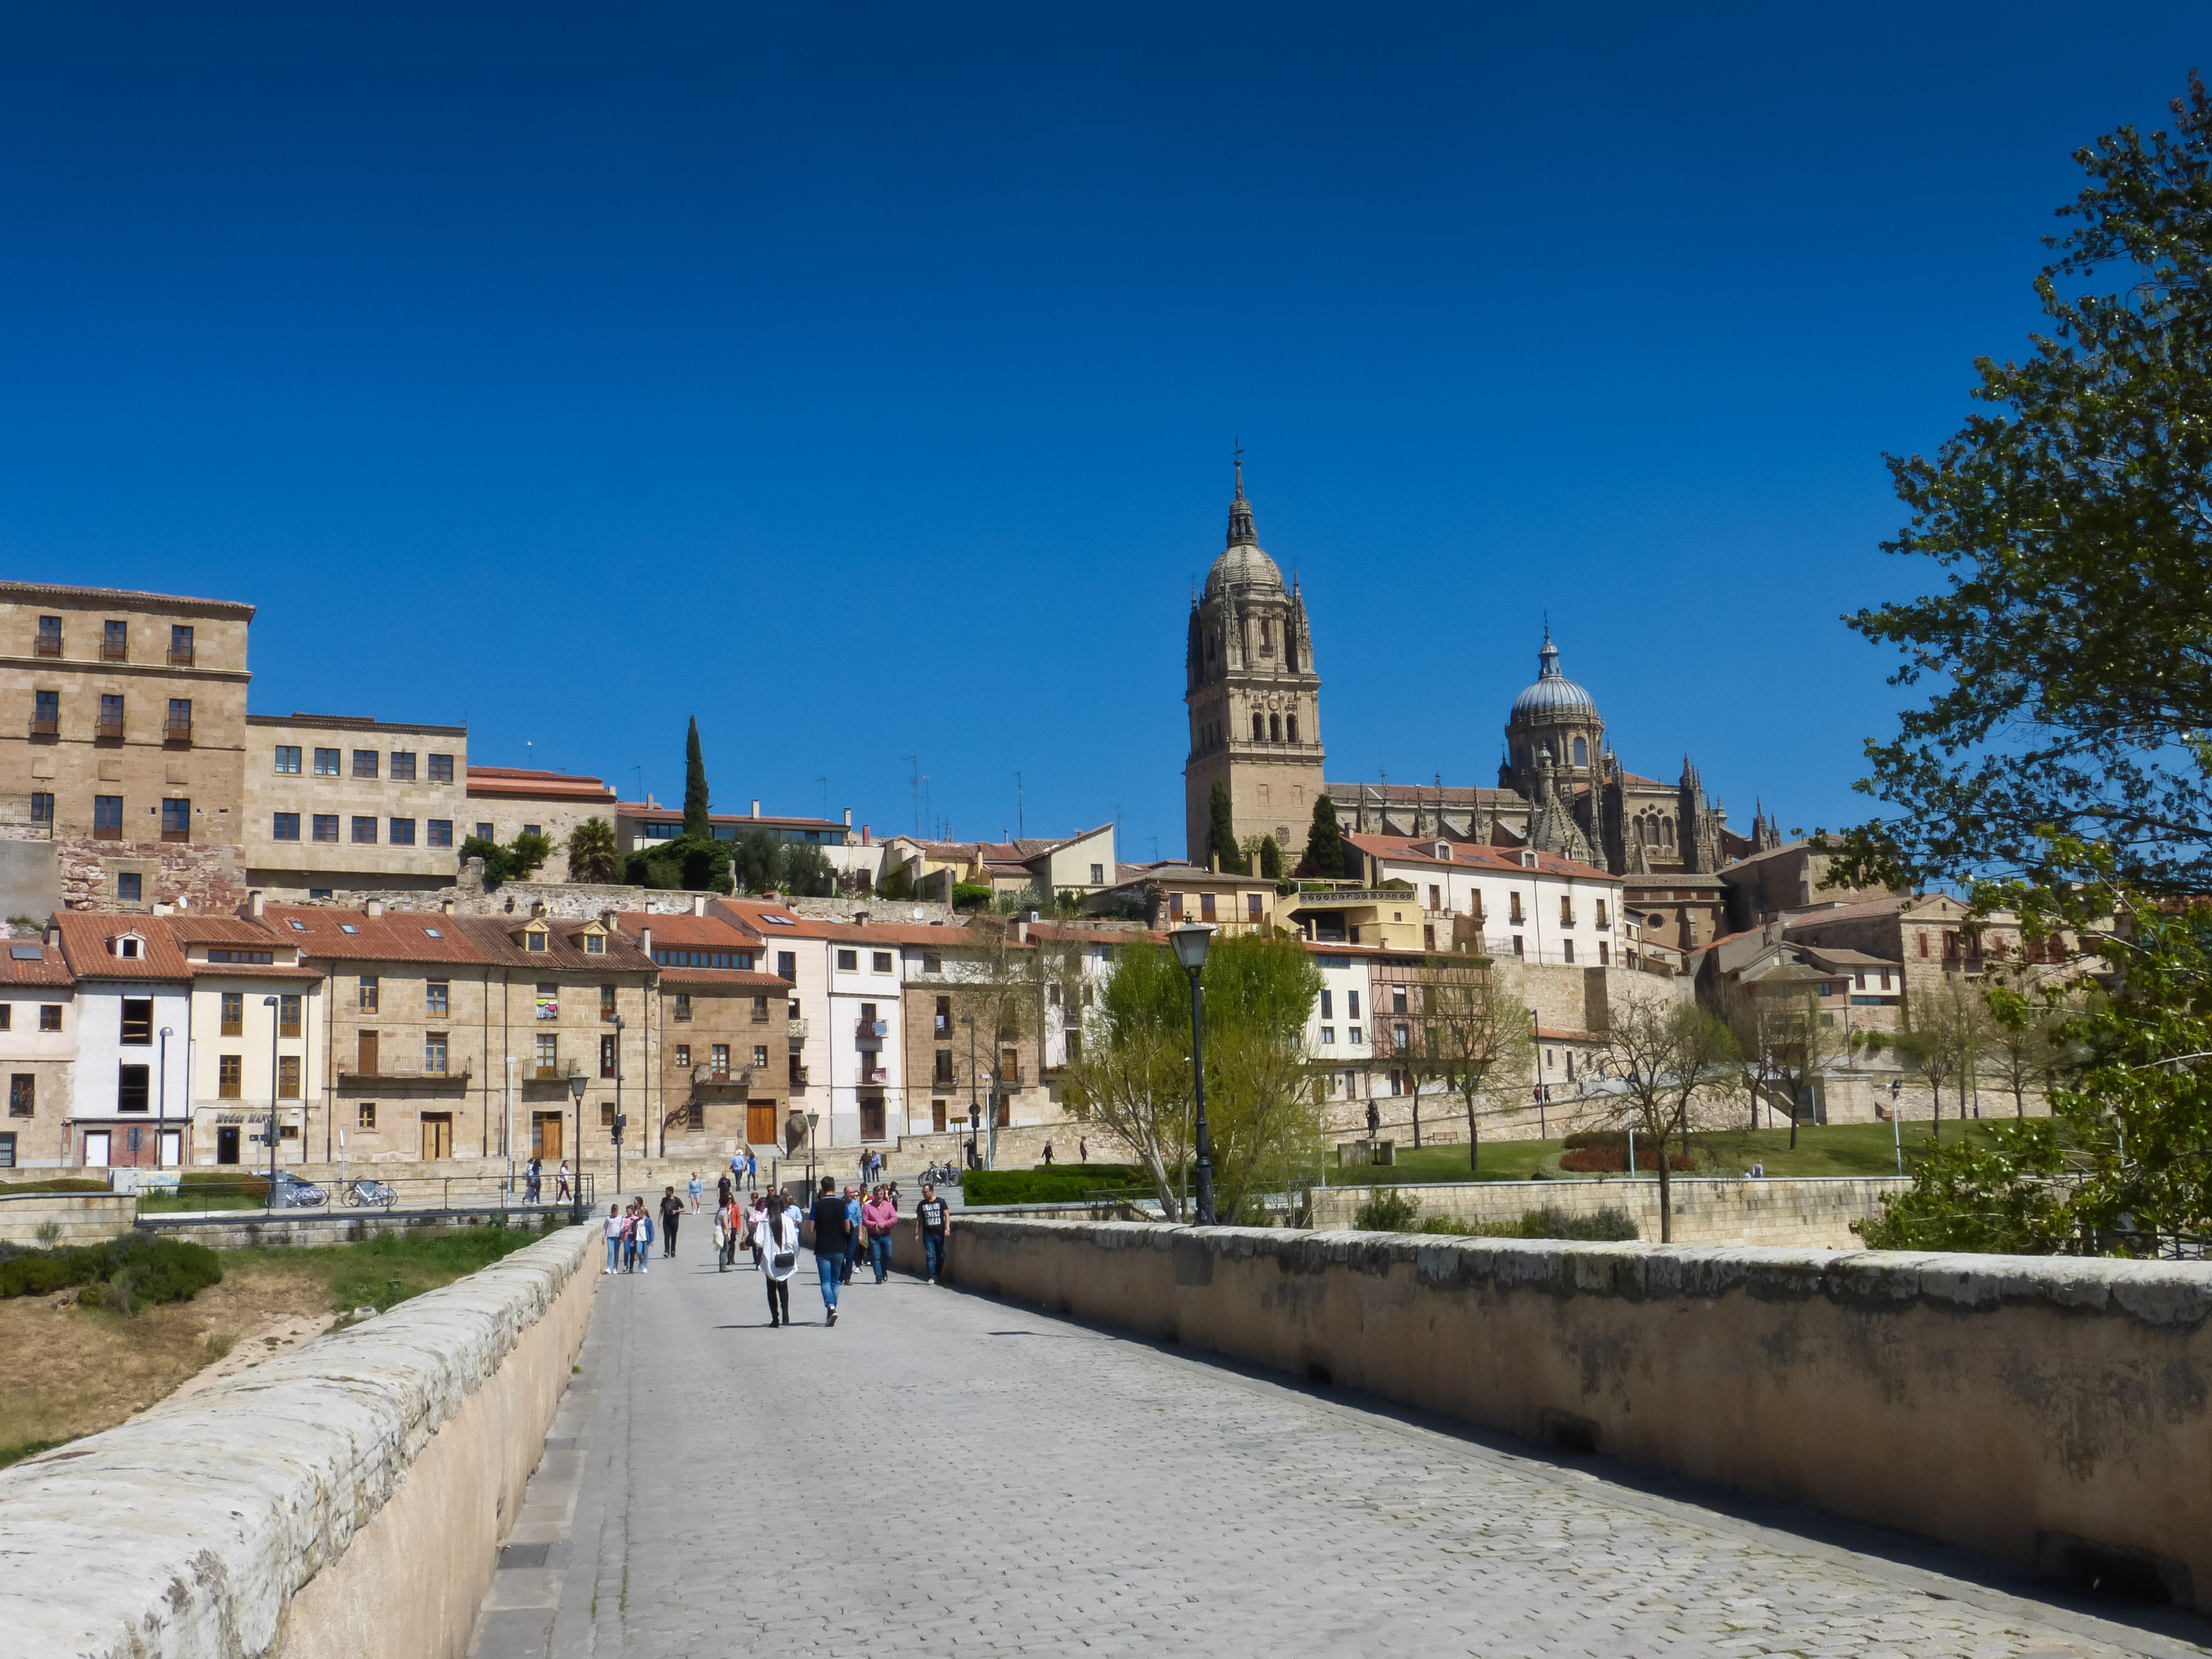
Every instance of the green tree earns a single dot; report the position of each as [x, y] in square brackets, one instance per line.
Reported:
[695, 825]
[2071, 651]
[1325, 841]
[805, 871]
[1271, 858]
[1262, 1114]
[1221, 838]
[754, 860]
[516, 861]
[592, 853]
[1464, 1031]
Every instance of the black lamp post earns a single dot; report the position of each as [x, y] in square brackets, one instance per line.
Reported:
[813, 1119]
[269, 1003]
[576, 1189]
[1535, 1036]
[161, 1103]
[1191, 940]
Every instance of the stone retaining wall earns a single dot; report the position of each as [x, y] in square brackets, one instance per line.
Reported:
[1814, 1213]
[81, 1218]
[2049, 1412]
[346, 1500]
[240, 1230]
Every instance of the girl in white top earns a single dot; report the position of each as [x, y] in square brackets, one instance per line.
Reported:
[776, 1237]
[614, 1229]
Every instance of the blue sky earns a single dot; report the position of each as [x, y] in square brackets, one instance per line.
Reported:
[863, 380]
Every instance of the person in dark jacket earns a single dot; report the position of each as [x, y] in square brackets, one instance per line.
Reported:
[833, 1243]
[672, 1212]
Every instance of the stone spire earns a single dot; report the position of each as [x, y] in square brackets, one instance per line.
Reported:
[1552, 827]
[1240, 532]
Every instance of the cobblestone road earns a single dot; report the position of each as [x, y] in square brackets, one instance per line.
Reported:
[943, 1473]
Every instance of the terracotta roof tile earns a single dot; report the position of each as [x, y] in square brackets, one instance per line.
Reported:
[355, 936]
[47, 968]
[494, 938]
[85, 942]
[1472, 855]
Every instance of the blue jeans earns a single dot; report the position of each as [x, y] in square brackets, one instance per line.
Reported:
[880, 1248]
[933, 1255]
[614, 1253]
[828, 1267]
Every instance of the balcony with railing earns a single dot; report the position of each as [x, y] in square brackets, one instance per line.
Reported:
[871, 1033]
[387, 1069]
[177, 732]
[707, 1077]
[874, 1075]
[45, 728]
[107, 832]
[180, 656]
[112, 651]
[107, 728]
[49, 645]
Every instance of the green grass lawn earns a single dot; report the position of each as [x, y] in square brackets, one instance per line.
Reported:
[1841, 1149]
[381, 1271]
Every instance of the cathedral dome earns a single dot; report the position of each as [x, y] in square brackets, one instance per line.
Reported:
[1554, 695]
[1243, 565]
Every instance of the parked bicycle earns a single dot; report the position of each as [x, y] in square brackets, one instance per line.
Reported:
[364, 1193]
[289, 1192]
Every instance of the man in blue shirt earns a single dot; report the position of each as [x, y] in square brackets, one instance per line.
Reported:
[857, 1233]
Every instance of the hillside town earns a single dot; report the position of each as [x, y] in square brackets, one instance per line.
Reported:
[347, 926]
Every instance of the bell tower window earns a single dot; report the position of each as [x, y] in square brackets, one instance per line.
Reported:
[1582, 752]
[1293, 726]
[1258, 728]
[1275, 728]
[1267, 639]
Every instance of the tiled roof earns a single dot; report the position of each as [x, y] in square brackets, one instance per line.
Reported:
[356, 936]
[1472, 855]
[220, 930]
[731, 979]
[490, 935]
[1851, 959]
[367, 723]
[255, 970]
[47, 968]
[706, 932]
[85, 936]
[522, 783]
[1559, 1034]
[1871, 909]
[943, 935]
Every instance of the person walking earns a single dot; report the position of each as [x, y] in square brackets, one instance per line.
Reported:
[561, 1183]
[752, 1172]
[695, 1192]
[630, 1237]
[672, 1212]
[775, 1246]
[880, 1215]
[1082, 1151]
[832, 1244]
[644, 1236]
[752, 1232]
[932, 1220]
[1048, 1155]
[856, 1238]
[614, 1230]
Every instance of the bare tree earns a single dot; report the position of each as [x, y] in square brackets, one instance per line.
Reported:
[995, 982]
[1675, 1068]
[1462, 1029]
[1779, 1034]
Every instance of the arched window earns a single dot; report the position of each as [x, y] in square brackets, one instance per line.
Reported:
[1275, 728]
[1667, 832]
[1258, 728]
[1267, 641]
[1582, 752]
[1293, 726]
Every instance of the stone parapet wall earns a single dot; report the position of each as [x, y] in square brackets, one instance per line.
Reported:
[346, 1499]
[1797, 1214]
[2051, 1412]
[78, 1217]
[246, 1229]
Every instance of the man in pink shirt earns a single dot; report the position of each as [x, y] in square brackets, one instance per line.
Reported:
[878, 1216]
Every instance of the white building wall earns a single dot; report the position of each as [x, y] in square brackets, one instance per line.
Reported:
[101, 1054]
[209, 1111]
[849, 989]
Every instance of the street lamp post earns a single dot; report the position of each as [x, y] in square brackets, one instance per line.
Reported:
[576, 1191]
[162, 1104]
[1542, 1132]
[974, 1109]
[813, 1119]
[1191, 940]
[269, 1003]
[974, 1128]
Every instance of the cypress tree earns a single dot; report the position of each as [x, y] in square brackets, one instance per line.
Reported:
[1325, 841]
[695, 787]
[1222, 838]
[1271, 858]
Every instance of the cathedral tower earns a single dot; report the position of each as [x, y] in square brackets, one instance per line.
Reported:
[1253, 698]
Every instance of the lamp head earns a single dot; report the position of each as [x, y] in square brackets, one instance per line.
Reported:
[269, 1002]
[1190, 942]
[576, 1086]
[813, 1119]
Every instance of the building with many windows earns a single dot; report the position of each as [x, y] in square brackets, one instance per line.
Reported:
[341, 803]
[133, 1011]
[506, 801]
[38, 1050]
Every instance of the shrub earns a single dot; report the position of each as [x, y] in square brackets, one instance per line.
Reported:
[1062, 1184]
[1607, 1224]
[970, 895]
[1387, 1211]
[1585, 1160]
[123, 1273]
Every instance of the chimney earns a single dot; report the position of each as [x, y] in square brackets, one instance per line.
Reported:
[253, 899]
[538, 907]
[848, 817]
[645, 940]
[864, 834]
[375, 906]
[756, 809]
[1022, 929]
[446, 908]
[607, 921]
[1214, 864]
[698, 904]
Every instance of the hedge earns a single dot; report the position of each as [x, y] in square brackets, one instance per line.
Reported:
[125, 1272]
[1586, 1160]
[1061, 1184]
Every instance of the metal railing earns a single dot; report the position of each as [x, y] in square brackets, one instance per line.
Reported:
[109, 653]
[177, 732]
[45, 728]
[107, 728]
[180, 659]
[47, 647]
[462, 1194]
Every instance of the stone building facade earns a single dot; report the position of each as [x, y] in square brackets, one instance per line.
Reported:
[337, 803]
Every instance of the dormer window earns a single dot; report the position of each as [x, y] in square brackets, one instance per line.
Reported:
[533, 939]
[130, 945]
[1444, 849]
[1528, 861]
[594, 945]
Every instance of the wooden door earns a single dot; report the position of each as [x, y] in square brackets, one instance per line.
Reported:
[366, 1067]
[437, 1135]
[937, 1116]
[760, 1123]
[545, 1135]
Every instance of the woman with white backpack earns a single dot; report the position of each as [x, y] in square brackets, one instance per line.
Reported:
[776, 1237]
